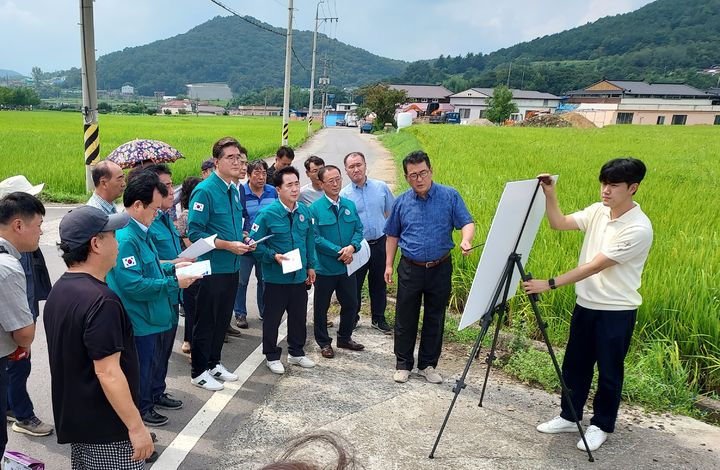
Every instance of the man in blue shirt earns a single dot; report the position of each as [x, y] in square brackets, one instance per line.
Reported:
[258, 195]
[109, 181]
[421, 224]
[373, 200]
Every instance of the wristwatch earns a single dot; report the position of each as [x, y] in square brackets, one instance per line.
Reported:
[551, 281]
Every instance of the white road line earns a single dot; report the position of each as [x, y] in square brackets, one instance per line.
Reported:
[173, 456]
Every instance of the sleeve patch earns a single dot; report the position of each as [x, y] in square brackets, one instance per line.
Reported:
[129, 262]
[254, 228]
[198, 207]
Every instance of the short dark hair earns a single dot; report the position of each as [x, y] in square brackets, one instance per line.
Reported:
[325, 169]
[159, 169]
[188, 186]
[255, 164]
[623, 170]
[351, 154]
[100, 171]
[79, 254]
[141, 187]
[315, 160]
[219, 146]
[415, 158]
[208, 164]
[19, 205]
[285, 151]
[278, 175]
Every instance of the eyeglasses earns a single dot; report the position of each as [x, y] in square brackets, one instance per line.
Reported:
[421, 175]
[236, 159]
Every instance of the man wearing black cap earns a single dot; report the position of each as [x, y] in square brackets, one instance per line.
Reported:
[93, 360]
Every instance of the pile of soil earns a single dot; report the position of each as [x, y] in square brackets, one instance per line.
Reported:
[578, 120]
[545, 120]
[480, 122]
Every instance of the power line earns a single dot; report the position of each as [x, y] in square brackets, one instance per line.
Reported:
[228, 9]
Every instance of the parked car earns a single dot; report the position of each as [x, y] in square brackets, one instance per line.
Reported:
[340, 122]
[351, 120]
[366, 128]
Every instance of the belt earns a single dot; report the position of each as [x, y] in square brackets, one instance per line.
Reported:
[429, 264]
[373, 242]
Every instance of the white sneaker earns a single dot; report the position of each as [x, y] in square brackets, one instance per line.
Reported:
[206, 381]
[594, 436]
[401, 376]
[431, 375]
[556, 425]
[220, 372]
[276, 367]
[302, 361]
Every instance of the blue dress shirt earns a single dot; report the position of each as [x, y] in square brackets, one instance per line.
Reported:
[424, 226]
[372, 201]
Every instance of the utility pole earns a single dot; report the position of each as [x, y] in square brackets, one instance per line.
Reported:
[312, 71]
[286, 92]
[324, 81]
[89, 91]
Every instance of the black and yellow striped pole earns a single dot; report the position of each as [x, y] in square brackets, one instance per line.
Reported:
[286, 88]
[89, 91]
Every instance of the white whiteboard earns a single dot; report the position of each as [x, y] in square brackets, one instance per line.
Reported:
[499, 245]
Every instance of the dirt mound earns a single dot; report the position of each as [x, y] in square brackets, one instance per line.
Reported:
[480, 122]
[578, 120]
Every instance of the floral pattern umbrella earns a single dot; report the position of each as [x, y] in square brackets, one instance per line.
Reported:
[141, 151]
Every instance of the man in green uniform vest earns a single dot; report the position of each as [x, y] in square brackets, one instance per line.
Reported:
[216, 209]
[145, 285]
[338, 234]
[292, 242]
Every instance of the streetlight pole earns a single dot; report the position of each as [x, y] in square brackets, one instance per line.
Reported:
[286, 92]
[89, 91]
[312, 71]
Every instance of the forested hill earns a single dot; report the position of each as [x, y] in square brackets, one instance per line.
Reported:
[228, 49]
[667, 40]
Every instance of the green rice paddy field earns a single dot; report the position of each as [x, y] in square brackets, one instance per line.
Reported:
[679, 318]
[47, 146]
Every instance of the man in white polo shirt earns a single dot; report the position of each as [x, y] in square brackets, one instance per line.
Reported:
[617, 240]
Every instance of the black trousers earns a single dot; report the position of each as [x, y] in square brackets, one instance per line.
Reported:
[280, 298]
[344, 287]
[215, 299]
[189, 297]
[416, 285]
[3, 402]
[374, 269]
[602, 337]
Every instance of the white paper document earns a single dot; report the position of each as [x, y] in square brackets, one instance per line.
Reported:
[201, 268]
[255, 242]
[199, 248]
[293, 262]
[360, 258]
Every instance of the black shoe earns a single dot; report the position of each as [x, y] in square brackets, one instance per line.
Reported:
[153, 418]
[382, 326]
[241, 322]
[153, 457]
[164, 401]
[235, 333]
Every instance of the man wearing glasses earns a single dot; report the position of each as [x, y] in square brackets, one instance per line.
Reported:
[312, 191]
[421, 223]
[258, 195]
[216, 208]
[338, 234]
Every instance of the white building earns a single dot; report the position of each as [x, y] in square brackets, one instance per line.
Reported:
[472, 103]
[127, 90]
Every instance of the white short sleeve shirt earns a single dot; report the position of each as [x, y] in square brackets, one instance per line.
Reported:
[625, 240]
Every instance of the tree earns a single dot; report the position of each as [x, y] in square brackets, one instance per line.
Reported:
[500, 106]
[37, 74]
[382, 100]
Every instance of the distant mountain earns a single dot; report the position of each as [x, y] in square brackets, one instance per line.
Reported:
[667, 40]
[10, 74]
[229, 49]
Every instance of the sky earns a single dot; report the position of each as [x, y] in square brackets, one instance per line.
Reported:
[46, 33]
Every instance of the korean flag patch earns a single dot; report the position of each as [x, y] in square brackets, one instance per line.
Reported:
[129, 262]
[254, 228]
[347, 211]
[198, 207]
[302, 218]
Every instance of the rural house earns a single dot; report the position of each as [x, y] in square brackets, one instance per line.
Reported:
[424, 93]
[636, 102]
[472, 103]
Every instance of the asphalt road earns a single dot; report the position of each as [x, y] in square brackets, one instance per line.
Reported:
[331, 145]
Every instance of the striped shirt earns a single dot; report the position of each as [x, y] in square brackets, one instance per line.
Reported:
[102, 204]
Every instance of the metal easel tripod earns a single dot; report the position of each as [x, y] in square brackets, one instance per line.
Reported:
[501, 308]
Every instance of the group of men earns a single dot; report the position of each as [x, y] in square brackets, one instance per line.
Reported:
[111, 319]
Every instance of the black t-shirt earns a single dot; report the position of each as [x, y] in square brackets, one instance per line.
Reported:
[85, 321]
